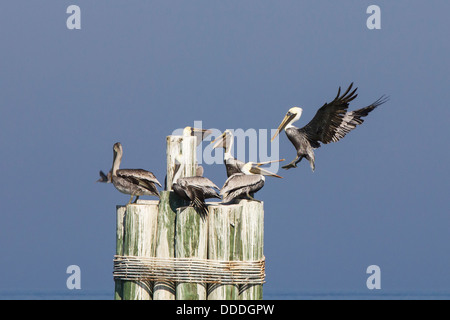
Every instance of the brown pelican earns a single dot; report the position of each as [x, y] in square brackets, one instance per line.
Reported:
[194, 189]
[105, 178]
[330, 124]
[135, 182]
[201, 134]
[232, 165]
[245, 184]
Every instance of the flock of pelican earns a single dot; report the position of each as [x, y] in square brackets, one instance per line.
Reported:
[330, 124]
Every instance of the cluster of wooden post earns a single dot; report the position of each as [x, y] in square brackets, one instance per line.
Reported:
[169, 228]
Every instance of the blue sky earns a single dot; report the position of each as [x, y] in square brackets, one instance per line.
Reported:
[138, 70]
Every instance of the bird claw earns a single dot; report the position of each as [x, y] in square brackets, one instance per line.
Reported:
[289, 166]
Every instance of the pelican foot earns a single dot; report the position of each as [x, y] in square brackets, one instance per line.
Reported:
[289, 166]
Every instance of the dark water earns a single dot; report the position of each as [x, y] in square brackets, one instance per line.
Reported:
[268, 295]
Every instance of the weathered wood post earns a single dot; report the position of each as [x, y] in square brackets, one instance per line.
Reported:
[185, 149]
[120, 216]
[223, 238]
[182, 148]
[191, 242]
[252, 243]
[165, 239]
[139, 238]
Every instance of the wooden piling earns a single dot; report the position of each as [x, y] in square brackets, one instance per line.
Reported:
[139, 238]
[223, 236]
[173, 229]
[165, 239]
[169, 228]
[251, 243]
[120, 216]
[184, 148]
[191, 233]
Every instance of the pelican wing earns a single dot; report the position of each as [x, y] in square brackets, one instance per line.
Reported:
[197, 196]
[326, 124]
[238, 181]
[138, 174]
[354, 118]
[200, 182]
[332, 121]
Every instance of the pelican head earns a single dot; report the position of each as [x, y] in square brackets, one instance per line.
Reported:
[224, 140]
[291, 116]
[190, 131]
[117, 148]
[253, 168]
[201, 134]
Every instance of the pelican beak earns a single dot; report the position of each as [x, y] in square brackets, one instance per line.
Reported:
[204, 132]
[176, 168]
[268, 162]
[264, 172]
[287, 119]
[219, 141]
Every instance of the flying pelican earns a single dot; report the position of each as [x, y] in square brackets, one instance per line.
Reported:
[135, 182]
[246, 183]
[232, 165]
[201, 134]
[194, 189]
[330, 124]
[105, 178]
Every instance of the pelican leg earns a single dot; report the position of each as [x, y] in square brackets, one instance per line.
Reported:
[131, 198]
[135, 201]
[311, 163]
[293, 163]
[251, 198]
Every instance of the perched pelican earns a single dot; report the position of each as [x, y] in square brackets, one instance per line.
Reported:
[232, 165]
[195, 189]
[246, 183]
[106, 178]
[135, 182]
[201, 134]
[330, 124]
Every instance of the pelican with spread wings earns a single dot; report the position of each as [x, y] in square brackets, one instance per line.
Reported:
[330, 124]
